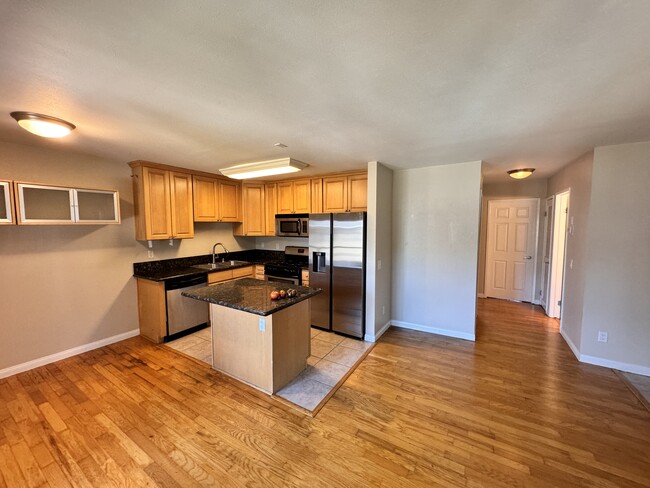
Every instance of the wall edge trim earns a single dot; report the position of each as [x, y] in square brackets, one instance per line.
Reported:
[375, 337]
[434, 330]
[35, 363]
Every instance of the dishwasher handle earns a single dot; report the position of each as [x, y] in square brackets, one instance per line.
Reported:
[185, 281]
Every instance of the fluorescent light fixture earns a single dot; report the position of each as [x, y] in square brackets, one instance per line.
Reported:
[43, 125]
[263, 168]
[521, 173]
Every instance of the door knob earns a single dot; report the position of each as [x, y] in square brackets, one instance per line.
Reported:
[528, 257]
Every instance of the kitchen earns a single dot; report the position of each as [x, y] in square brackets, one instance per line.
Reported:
[427, 91]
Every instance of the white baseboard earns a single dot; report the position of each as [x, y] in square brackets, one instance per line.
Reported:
[481, 295]
[380, 332]
[607, 363]
[434, 330]
[35, 363]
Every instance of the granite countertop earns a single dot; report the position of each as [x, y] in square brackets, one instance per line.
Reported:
[250, 295]
[166, 269]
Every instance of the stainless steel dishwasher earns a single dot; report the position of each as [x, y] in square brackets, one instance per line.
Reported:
[185, 313]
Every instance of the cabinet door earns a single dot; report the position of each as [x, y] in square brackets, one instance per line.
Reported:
[335, 194]
[271, 197]
[157, 203]
[97, 206]
[316, 195]
[39, 204]
[229, 201]
[253, 209]
[302, 196]
[285, 198]
[205, 199]
[6, 203]
[181, 205]
[358, 193]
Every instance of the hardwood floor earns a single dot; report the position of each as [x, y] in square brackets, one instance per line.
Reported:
[513, 409]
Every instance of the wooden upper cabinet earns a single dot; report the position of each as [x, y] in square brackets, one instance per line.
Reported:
[345, 193]
[216, 200]
[316, 195]
[358, 193]
[163, 203]
[271, 197]
[254, 210]
[229, 196]
[294, 197]
[335, 194]
[181, 205]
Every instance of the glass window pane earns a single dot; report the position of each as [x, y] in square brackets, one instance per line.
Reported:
[96, 206]
[47, 204]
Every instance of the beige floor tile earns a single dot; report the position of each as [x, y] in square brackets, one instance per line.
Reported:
[320, 349]
[315, 332]
[199, 351]
[330, 337]
[326, 372]
[356, 344]
[311, 360]
[305, 392]
[204, 334]
[641, 383]
[344, 355]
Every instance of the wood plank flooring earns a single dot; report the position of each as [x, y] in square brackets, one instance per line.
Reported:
[513, 409]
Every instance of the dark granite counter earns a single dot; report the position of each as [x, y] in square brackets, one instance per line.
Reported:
[166, 269]
[250, 295]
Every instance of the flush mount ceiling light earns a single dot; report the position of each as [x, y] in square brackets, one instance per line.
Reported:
[521, 173]
[263, 168]
[43, 125]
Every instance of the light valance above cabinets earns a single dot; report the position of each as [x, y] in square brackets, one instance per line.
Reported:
[48, 204]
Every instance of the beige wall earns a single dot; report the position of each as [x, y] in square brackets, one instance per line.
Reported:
[502, 191]
[67, 286]
[575, 176]
[379, 234]
[617, 287]
[436, 212]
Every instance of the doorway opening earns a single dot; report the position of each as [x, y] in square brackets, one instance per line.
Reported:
[554, 280]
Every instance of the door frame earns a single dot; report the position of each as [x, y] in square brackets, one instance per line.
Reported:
[558, 269]
[487, 240]
[547, 250]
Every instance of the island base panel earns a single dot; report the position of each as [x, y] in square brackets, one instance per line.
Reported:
[267, 359]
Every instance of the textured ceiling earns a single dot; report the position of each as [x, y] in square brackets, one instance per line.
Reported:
[206, 84]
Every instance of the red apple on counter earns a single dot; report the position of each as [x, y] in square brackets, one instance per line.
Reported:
[275, 295]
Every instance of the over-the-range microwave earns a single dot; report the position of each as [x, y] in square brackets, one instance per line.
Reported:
[292, 225]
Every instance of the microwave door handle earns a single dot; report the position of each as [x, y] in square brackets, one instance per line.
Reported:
[299, 227]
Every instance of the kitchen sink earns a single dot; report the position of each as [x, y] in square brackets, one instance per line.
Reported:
[220, 265]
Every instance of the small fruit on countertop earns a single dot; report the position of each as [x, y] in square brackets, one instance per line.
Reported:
[275, 295]
[283, 293]
[291, 293]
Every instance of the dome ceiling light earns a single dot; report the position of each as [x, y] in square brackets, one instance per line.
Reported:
[43, 125]
[521, 173]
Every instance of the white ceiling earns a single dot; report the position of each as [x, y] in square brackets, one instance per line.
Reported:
[206, 84]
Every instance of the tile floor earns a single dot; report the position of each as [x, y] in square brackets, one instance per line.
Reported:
[332, 356]
[641, 383]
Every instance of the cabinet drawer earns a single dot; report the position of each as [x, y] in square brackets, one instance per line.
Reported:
[219, 276]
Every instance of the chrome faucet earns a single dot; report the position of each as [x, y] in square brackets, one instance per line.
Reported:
[214, 254]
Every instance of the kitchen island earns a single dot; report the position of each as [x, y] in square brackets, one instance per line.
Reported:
[262, 342]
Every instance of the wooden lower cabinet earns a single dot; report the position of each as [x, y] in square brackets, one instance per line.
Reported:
[152, 301]
[304, 277]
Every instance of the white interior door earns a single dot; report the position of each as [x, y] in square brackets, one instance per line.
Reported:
[548, 248]
[556, 282]
[511, 249]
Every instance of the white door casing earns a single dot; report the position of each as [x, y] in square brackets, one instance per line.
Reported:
[511, 254]
[556, 282]
[548, 248]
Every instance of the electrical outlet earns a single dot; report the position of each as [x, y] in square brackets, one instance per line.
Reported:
[379, 264]
[571, 264]
[262, 244]
[262, 325]
[602, 336]
[150, 253]
[383, 309]
[277, 246]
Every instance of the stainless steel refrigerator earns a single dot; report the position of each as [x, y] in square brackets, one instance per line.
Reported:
[337, 264]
